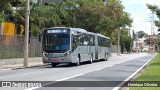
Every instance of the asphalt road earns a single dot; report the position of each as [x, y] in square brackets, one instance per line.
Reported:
[100, 75]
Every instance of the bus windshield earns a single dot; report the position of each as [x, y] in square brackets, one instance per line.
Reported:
[56, 42]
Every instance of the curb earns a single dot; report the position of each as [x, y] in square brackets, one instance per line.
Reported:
[19, 67]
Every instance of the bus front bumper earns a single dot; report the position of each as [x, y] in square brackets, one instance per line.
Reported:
[56, 60]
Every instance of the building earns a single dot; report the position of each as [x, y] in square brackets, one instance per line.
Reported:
[152, 44]
[139, 44]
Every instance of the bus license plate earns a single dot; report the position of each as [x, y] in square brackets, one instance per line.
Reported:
[54, 60]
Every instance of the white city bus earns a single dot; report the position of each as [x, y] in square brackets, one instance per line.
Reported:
[73, 46]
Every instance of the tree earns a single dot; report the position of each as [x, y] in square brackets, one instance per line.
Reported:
[96, 16]
[141, 34]
[5, 5]
[41, 16]
[115, 18]
[126, 41]
[85, 14]
[154, 8]
[5, 10]
[92, 15]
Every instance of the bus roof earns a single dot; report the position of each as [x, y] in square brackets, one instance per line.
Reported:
[56, 27]
[78, 29]
[102, 35]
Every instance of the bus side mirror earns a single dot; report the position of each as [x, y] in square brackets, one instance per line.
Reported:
[40, 37]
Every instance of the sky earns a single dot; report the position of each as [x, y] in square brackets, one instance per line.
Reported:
[140, 14]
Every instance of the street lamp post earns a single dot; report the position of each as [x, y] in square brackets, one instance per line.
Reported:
[25, 63]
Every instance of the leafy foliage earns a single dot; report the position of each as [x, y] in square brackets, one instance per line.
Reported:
[92, 15]
[153, 8]
[142, 34]
[126, 41]
[156, 9]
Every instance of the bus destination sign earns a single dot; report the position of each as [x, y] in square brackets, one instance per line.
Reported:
[57, 31]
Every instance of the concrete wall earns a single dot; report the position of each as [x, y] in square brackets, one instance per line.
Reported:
[35, 48]
[114, 49]
[19, 61]
[8, 64]
[13, 47]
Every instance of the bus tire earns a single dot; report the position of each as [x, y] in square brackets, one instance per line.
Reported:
[91, 59]
[54, 64]
[106, 56]
[70, 64]
[78, 60]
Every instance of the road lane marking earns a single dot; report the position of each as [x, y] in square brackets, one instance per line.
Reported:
[111, 65]
[102, 68]
[70, 77]
[66, 77]
[98, 69]
[81, 88]
[58, 80]
[32, 88]
[132, 75]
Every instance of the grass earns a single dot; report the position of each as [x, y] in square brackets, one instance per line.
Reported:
[151, 73]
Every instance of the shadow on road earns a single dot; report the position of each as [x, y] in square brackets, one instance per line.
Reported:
[69, 65]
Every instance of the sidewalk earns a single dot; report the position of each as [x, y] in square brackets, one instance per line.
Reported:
[17, 63]
[11, 64]
[115, 54]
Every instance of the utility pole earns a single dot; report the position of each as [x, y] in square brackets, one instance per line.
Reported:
[136, 42]
[152, 32]
[25, 63]
[152, 23]
[118, 43]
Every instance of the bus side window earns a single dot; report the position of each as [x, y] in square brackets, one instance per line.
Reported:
[74, 42]
[86, 39]
[81, 39]
[73, 39]
[91, 41]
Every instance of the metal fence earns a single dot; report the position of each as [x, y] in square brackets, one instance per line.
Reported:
[13, 47]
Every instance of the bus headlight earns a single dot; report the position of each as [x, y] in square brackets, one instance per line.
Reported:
[67, 53]
[45, 54]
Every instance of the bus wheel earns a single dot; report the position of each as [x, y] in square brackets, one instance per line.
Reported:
[54, 64]
[71, 64]
[78, 61]
[106, 57]
[91, 59]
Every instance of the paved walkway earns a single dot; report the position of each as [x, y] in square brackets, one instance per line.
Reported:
[11, 64]
[20, 66]
[15, 63]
